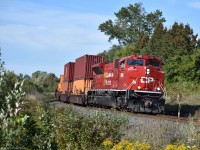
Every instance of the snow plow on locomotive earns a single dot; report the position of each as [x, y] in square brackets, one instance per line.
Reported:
[135, 83]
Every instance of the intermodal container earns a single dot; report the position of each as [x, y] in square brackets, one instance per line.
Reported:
[61, 78]
[82, 86]
[83, 66]
[67, 87]
[59, 89]
[69, 71]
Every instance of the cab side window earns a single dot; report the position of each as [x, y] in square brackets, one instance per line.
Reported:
[122, 64]
[132, 62]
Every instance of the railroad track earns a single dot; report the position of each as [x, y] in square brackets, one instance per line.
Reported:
[172, 118]
[161, 117]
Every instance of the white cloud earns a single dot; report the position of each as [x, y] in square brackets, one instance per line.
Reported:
[195, 4]
[33, 31]
[46, 29]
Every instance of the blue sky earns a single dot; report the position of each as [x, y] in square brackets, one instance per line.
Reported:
[46, 34]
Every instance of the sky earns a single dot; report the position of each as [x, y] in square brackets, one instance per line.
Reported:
[46, 34]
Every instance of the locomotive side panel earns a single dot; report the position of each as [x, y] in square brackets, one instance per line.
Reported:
[98, 82]
[107, 78]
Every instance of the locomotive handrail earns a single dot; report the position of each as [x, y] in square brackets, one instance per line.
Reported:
[158, 81]
[160, 84]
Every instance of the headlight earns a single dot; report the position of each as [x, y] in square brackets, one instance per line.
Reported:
[139, 87]
[158, 89]
[148, 71]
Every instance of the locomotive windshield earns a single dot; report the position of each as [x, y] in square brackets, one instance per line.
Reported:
[138, 62]
[153, 63]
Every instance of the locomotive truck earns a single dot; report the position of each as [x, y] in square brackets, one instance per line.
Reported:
[134, 83]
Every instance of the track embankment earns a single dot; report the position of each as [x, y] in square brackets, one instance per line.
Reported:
[158, 117]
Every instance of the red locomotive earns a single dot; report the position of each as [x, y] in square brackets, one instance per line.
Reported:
[135, 83]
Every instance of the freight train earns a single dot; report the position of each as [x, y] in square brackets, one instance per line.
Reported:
[134, 83]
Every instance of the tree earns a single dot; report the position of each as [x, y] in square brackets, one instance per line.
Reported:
[158, 44]
[198, 43]
[141, 43]
[3, 86]
[44, 80]
[111, 53]
[36, 74]
[184, 68]
[129, 49]
[131, 21]
[26, 77]
[181, 39]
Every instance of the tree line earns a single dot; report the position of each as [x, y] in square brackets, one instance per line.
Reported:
[139, 32]
[39, 81]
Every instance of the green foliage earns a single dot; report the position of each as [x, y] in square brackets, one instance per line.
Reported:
[111, 53]
[44, 80]
[64, 128]
[45, 137]
[29, 87]
[11, 120]
[11, 102]
[9, 82]
[183, 68]
[179, 40]
[11, 78]
[77, 131]
[158, 44]
[1, 65]
[141, 43]
[126, 51]
[130, 22]
[182, 39]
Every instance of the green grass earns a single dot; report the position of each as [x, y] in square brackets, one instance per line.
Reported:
[184, 96]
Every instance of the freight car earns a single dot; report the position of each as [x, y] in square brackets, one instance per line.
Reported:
[134, 83]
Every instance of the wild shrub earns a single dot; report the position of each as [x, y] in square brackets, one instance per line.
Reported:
[11, 120]
[78, 131]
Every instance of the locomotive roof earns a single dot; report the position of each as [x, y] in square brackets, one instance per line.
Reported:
[139, 57]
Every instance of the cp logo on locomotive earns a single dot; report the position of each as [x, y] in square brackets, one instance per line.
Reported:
[146, 79]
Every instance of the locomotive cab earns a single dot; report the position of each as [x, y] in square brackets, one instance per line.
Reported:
[145, 80]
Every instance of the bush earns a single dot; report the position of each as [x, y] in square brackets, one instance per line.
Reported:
[11, 120]
[77, 131]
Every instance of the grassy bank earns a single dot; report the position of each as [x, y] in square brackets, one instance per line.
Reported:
[184, 98]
